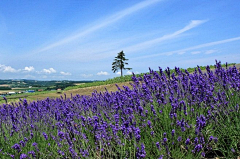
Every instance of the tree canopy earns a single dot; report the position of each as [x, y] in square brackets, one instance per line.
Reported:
[119, 63]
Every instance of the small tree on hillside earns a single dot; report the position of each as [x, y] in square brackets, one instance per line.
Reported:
[119, 63]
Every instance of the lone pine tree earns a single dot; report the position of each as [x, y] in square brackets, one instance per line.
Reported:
[119, 63]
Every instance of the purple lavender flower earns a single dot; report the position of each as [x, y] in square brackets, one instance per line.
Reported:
[25, 139]
[200, 122]
[31, 135]
[152, 133]
[179, 139]
[61, 152]
[61, 135]
[211, 138]
[196, 141]
[197, 148]
[34, 144]
[22, 143]
[16, 147]
[5, 99]
[45, 135]
[164, 140]
[32, 153]
[161, 157]
[72, 151]
[187, 141]
[158, 145]
[140, 108]
[23, 156]
[149, 123]
[141, 153]
[164, 134]
[173, 132]
[137, 134]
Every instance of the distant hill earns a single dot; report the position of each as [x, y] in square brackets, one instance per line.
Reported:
[8, 84]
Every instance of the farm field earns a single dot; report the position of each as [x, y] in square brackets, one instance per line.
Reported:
[159, 116]
[81, 91]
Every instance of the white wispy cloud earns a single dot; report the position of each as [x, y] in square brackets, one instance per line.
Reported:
[102, 73]
[129, 73]
[210, 51]
[65, 73]
[193, 47]
[109, 20]
[146, 44]
[86, 75]
[105, 52]
[4, 68]
[181, 52]
[195, 52]
[29, 69]
[49, 71]
[29, 77]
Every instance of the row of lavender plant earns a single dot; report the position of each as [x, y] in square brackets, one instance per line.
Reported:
[178, 115]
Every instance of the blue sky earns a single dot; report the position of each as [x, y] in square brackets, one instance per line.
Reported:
[78, 40]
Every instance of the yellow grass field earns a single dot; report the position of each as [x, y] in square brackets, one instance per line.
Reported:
[80, 91]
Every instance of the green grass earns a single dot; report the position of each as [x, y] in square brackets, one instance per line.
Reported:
[127, 78]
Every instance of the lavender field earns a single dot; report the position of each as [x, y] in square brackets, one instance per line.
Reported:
[179, 115]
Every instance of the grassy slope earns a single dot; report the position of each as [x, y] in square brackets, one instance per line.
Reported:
[83, 90]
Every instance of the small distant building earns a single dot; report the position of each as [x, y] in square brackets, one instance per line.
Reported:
[40, 90]
[30, 91]
[59, 90]
[11, 93]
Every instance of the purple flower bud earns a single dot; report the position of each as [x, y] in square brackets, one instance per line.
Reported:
[16, 147]
[149, 123]
[164, 134]
[173, 132]
[158, 145]
[152, 133]
[25, 139]
[165, 140]
[211, 138]
[187, 141]
[32, 153]
[61, 135]
[23, 156]
[61, 152]
[179, 139]
[45, 135]
[34, 144]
